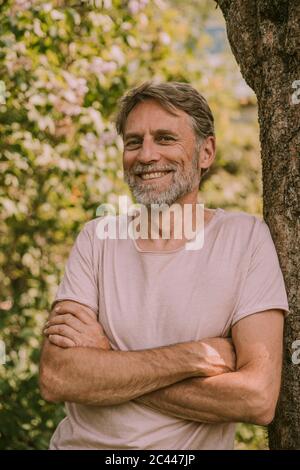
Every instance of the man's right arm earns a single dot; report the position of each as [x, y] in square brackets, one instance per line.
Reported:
[100, 377]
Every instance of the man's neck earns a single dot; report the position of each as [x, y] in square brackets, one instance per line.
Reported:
[171, 228]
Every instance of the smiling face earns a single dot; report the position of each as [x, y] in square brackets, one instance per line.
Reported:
[161, 158]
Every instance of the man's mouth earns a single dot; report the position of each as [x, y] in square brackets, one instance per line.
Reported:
[153, 175]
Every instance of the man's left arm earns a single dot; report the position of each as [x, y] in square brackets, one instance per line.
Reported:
[247, 395]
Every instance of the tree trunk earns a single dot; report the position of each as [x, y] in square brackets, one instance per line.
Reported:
[265, 39]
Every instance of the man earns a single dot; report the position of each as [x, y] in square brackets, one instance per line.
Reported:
[151, 345]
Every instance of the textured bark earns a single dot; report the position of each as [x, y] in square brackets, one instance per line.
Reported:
[265, 39]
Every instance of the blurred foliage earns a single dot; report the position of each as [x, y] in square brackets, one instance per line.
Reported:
[63, 66]
[251, 437]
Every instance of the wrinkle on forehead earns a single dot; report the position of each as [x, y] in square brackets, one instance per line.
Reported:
[150, 114]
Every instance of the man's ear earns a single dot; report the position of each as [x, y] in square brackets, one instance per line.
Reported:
[207, 152]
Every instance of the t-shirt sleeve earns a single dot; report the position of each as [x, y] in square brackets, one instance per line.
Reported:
[79, 282]
[263, 287]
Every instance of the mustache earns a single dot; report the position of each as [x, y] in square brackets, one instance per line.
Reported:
[140, 169]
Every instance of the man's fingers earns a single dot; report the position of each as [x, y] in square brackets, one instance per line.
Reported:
[83, 313]
[62, 330]
[66, 319]
[61, 341]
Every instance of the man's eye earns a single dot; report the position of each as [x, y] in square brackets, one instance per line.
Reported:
[165, 138]
[132, 143]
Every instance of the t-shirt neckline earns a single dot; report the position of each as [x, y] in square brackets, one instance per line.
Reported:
[207, 227]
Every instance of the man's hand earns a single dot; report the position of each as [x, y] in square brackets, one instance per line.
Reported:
[220, 355]
[74, 327]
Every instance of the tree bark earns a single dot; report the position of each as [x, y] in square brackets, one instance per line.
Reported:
[265, 39]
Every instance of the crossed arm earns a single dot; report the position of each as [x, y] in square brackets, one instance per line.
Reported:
[198, 380]
[248, 394]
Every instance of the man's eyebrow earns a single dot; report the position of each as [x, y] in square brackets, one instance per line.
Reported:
[156, 132]
[132, 134]
[165, 131]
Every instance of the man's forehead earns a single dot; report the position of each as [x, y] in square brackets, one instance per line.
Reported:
[156, 118]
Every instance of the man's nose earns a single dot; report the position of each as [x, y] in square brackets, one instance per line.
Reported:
[148, 151]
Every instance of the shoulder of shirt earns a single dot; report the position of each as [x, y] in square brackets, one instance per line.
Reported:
[240, 220]
[93, 222]
[242, 217]
[91, 226]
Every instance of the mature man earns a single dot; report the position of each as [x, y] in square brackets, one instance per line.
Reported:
[151, 345]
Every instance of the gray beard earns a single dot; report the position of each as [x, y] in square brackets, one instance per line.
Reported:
[181, 184]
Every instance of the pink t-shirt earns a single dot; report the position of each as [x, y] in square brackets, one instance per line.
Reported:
[147, 299]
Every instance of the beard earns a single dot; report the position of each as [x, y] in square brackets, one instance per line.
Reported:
[182, 183]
